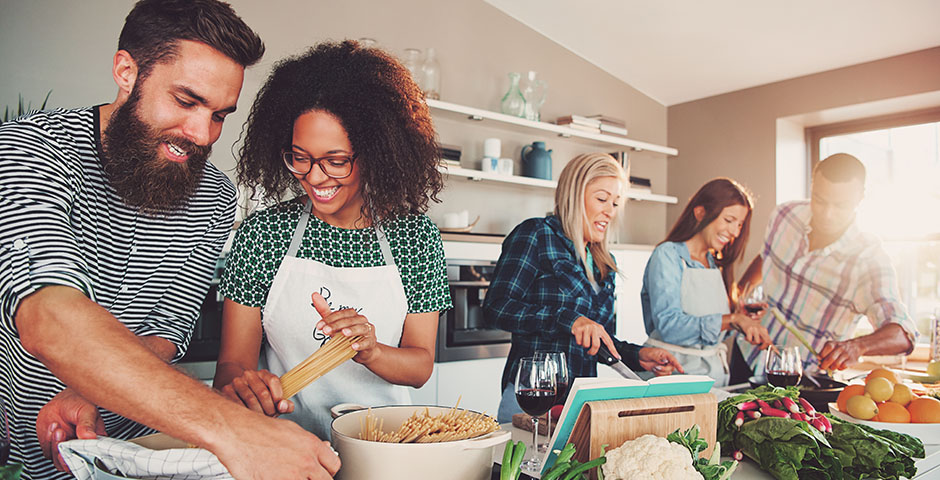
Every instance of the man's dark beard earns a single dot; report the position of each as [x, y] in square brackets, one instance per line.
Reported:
[139, 174]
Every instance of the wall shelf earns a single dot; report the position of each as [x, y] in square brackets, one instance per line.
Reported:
[479, 175]
[454, 111]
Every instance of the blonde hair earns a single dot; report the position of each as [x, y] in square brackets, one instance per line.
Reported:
[569, 205]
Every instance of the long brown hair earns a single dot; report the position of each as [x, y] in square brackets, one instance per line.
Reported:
[569, 205]
[714, 196]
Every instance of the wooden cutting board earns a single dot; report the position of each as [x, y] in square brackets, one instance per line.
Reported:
[613, 422]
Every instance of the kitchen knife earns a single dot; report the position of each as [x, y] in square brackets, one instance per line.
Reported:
[604, 356]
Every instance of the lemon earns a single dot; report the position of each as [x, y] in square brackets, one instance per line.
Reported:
[902, 394]
[933, 369]
[861, 407]
[879, 389]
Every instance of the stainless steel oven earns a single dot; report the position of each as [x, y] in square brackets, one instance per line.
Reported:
[462, 333]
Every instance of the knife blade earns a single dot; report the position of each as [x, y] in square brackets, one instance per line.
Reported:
[604, 356]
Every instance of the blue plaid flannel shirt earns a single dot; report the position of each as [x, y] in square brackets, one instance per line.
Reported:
[539, 289]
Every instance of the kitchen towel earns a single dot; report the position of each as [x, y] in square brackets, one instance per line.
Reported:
[108, 459]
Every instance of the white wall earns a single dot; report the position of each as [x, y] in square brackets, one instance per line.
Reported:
[67, 46]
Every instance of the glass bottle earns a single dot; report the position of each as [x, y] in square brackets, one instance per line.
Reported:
[534, 91]
[431, 75]
[513, 102]
[411, 61]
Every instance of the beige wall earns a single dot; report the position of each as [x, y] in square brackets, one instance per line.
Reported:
[67, 47]
[736, 134]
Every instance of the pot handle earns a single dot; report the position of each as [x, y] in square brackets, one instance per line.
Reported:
[486, 441]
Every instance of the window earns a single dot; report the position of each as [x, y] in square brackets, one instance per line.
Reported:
[902, 197]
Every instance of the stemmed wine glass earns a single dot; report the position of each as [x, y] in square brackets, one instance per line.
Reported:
[558, 363]
[753, 304]
[783, 366]
[4, 436]
[536, 387]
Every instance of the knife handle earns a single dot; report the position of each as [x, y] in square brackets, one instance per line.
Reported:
[604, 356]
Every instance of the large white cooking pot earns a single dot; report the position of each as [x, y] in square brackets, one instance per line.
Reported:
[470, 459]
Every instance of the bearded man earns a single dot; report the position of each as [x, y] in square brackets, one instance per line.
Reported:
[111, 221]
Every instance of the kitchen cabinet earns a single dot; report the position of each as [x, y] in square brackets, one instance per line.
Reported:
[508, 124]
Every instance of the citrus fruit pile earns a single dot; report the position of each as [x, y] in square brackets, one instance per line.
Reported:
[883, 398]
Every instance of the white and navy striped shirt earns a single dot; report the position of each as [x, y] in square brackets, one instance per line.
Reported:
[61, 223]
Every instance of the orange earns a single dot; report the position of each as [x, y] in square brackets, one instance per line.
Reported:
[848, 391]
[893, 413]
[882, 372]
[924, 410]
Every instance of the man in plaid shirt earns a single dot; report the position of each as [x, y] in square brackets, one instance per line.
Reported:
[822, 273]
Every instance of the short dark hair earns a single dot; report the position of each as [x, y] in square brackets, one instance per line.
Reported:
[841, 167]
[377, 102]
[153, 29]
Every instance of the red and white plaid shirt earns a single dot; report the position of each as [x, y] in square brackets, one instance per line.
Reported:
[823, 292]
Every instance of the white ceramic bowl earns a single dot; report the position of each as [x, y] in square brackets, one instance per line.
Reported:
[929, 433]
[470, 459]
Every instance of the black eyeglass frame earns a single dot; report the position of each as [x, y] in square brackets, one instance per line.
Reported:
[287, 155]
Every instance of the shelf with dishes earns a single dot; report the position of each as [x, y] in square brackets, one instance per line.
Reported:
[454, 111]
[480, 175]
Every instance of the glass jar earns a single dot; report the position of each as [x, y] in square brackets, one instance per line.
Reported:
[431, 75]
[412, 61]
[513, 102]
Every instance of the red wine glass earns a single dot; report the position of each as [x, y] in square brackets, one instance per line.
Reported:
[536, 388]
[783, 366]
[558, 363]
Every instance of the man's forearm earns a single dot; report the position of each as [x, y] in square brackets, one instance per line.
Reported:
[890, 339]
[74, 337]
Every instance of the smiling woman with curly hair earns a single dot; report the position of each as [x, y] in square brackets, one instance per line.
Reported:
[344, 130]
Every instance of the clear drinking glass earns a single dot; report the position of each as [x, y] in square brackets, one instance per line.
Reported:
[783, 366]
[535, 393]
[4, 436]
[558, 363]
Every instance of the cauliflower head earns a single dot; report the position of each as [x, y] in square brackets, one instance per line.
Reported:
[650, 458]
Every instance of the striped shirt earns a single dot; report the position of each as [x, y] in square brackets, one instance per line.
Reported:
[538, 290]
[823, 292]
[61, 223]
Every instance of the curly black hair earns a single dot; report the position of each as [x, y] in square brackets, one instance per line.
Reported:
[378, 103]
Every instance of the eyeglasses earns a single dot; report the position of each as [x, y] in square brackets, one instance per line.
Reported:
[334, 166]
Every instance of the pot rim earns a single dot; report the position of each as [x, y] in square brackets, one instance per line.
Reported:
[483, 441]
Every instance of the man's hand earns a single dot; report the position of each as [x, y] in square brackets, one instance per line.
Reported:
[66, 417]
[265, 447]
[840, 355]
[658, 361]
[589, 334]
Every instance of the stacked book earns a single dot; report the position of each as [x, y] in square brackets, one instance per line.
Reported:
[594, 124]
[450, 155]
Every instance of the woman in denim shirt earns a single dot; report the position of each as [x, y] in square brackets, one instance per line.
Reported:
[685, 296]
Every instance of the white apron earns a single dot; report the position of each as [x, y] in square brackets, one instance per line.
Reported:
[289, 321]
[702, 293]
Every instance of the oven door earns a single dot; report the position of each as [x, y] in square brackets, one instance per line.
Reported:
[462, 332]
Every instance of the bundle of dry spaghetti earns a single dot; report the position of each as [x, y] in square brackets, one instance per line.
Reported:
[336, 351]
[423, 428]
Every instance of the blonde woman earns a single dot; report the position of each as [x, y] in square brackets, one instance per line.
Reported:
[542, 291]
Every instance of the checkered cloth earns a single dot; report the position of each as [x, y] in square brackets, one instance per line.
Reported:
[108, 458]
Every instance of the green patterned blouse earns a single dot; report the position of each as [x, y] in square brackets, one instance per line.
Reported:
[262, 240]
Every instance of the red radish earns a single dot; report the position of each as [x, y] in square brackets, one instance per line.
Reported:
[774, 412]
[751, 405]
[739, 419]
[737, 455]
[790, 405]
[807, 406]
[753, 413]
[763, 404]
[825, 421]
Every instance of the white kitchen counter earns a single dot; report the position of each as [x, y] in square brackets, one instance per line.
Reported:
[927, 468]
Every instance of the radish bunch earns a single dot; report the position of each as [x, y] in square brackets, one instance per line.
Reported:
[785, 407]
